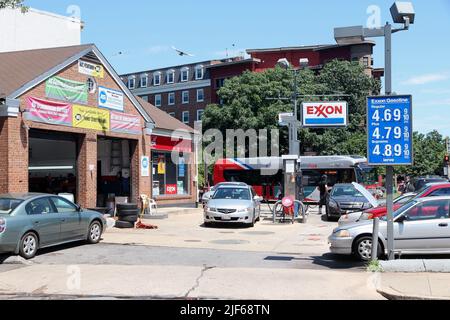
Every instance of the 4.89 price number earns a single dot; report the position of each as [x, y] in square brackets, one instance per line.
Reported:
[388, 150]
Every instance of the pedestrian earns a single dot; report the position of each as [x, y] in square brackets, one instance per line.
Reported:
[409, 186]
[323, 188]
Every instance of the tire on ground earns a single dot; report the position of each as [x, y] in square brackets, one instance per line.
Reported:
[124, 225]
[125, 213]
[132, 219]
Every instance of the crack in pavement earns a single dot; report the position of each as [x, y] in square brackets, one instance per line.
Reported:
[197, 281]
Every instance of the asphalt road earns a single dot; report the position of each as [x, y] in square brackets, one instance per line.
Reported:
[111, 254]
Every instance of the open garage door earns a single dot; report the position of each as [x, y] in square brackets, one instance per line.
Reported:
[52, 162]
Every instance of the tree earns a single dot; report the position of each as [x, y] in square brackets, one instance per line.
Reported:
[13, 4]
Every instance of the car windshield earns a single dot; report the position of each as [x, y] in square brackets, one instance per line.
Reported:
[346, 191]
[402, 209]
[232, 194]
[8, 205]
[403, 200]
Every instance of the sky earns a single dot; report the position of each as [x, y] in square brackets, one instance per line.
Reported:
[145, 30]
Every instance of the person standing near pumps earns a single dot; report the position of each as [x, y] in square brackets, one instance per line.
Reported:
[323, 188]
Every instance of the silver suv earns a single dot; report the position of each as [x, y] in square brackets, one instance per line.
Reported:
[233, 203]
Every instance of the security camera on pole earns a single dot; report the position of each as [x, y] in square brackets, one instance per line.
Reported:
[387, 146]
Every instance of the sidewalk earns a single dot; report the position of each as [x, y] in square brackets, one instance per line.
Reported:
[415, 279]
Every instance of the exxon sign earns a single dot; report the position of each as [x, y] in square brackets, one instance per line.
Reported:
[324, 114]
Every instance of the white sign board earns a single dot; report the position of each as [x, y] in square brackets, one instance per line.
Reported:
[110, 99]
[91, 69]
[324, 114]
[145, 166]
[283, 118]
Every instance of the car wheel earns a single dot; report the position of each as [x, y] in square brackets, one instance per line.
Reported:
[29, 245]
[363, 249]
[94, 232]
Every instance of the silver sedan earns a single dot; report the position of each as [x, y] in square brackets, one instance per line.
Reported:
[422, 226]
[233, 204]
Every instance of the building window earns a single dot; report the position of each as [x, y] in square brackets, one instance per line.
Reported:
[199, 72]
[92, 85]
[157, 100]
[145, 98]
[200, 114]
[184, 74]
[172, 114]
[171, 98]
[200, 95]
[185, 117]
[170, 76]
[131, 83]
[185, 97]
[157, 79]
[144, 81]
[366, 62]
[170, 178]
[220, 83]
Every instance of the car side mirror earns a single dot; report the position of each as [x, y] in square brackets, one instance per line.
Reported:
[79, 209]
[402, 218]
[257, 198]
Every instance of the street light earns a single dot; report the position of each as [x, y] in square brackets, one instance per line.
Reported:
[294, 143]
[402, 12]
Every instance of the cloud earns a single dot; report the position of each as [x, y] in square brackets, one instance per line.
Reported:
[427, 78]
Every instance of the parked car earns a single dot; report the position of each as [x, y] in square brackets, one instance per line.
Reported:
[365, 215]
[233, 203]
[207, 196]
[421, 226]
[29, 222]
[420, 182]
[430, 190]
[349, 197]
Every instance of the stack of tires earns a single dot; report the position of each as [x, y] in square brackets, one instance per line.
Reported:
[128, 214]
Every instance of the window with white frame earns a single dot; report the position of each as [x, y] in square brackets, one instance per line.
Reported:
[185, 97]
[144, 81]
[200, 95]
[185, 117]
[200, 114]
[172, 114]
[170, 78]
[184, 74]
[157, 100]
[157, 79]
[131, 83]
[199, 72]
[171, 98]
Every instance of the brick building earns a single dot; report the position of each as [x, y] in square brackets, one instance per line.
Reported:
[179, 96]
[68, 124]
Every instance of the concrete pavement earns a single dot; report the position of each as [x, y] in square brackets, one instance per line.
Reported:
[167, 282]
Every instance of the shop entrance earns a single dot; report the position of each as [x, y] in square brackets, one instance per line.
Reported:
[114, 170]
[52, 163]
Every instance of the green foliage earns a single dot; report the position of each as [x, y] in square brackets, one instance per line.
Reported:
[374, 266]
[13, 4]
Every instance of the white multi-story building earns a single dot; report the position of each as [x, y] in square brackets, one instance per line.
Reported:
[36, 30]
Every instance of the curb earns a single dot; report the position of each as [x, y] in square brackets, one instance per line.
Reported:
[393, 295]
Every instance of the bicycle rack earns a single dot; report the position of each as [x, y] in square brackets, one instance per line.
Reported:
[283, 217]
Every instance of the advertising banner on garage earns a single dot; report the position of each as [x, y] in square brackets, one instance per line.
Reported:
[57, 113]
[90, 118]
[110, 99]
[125, 123]
[67, 90]
[91, 69]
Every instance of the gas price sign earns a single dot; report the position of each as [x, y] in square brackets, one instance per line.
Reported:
[390, 131]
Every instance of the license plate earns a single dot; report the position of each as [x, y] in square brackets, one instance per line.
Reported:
[226, 218]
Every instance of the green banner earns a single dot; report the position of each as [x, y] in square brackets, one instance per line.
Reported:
[67, 90]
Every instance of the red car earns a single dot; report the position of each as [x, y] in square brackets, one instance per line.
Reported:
[434, 190]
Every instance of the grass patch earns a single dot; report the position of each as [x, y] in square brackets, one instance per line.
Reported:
[374, 266]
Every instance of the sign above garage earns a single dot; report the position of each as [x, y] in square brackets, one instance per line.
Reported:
[325, 114]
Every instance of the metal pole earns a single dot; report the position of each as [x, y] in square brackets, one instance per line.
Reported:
[295, 142]
[389, 169]
[376, 230]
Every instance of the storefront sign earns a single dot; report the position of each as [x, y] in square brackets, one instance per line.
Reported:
[324, 114]
[125, 123]
[57, 113]
[171, 189]
[110, 99]
[166, 144]
[91, 69]
[67, 90]
[181, 168]
[145, 166]
[90, 118]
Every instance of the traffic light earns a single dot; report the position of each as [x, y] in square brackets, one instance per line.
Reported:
[447, 160]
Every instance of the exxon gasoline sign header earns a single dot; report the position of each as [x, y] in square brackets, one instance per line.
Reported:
[324, 114]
